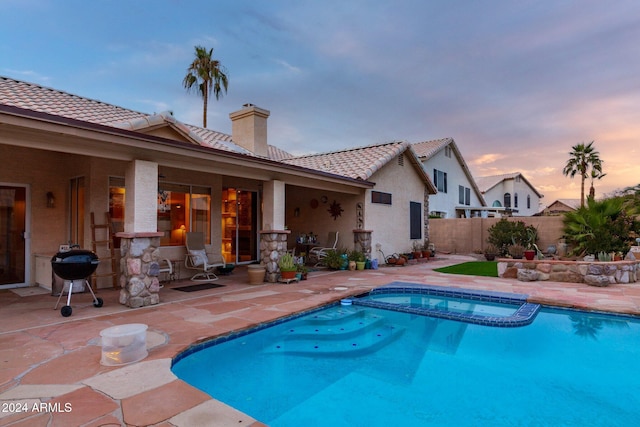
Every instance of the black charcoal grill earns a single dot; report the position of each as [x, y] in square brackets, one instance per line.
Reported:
[76, 264]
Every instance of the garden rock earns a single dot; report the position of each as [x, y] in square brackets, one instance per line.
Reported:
[596, 280]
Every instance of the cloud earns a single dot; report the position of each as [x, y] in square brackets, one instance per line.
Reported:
[486, 159]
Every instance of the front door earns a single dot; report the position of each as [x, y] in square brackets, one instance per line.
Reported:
[13, 235]
[239, 225]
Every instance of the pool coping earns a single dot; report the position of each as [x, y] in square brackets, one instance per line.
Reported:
[523, 316]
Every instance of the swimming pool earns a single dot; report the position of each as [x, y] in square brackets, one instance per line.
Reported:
[363, 366]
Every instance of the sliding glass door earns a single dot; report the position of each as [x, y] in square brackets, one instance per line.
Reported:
[13, 235]
[239, 225]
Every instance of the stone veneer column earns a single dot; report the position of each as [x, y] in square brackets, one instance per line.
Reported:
[139, 268]
[362, 241]
[273, 243]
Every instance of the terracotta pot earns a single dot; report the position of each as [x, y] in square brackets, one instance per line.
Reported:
[352, 265]
[426, 254]
[287, 274]
[417, 254]
[401, 261]
[529, 254]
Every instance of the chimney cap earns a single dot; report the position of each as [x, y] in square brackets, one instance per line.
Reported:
[248, 104]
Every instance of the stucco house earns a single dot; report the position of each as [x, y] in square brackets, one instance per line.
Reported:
[511, 194]
[458, 195]
[66, 157]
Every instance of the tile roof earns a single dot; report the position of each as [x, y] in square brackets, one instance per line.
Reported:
[43, 99]
[46, 100]
[428, 149]
[356, 163]
[486, 183]
[359, 162]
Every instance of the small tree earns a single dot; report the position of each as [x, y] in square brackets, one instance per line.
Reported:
[505, 233]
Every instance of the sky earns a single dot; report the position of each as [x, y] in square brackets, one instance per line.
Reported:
[515, 83]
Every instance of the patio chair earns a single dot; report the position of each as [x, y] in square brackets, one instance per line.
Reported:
[318, 253]
[197, 258]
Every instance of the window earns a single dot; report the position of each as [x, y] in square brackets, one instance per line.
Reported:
[380, 198]
[447, 151]
[440, 180]
[515, 200]
[464, 195]
[415, 220]
[180, 208]
[507, 200]
[528, 201]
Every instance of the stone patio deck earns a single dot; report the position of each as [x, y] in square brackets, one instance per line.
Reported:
[50, 371]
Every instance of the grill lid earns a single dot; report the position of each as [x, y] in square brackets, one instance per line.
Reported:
[74, 264]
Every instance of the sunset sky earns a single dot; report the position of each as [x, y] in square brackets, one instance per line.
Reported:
[516, 84]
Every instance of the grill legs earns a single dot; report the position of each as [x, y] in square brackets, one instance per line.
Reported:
[66, 310]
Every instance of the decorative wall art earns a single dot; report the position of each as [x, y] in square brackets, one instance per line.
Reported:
[335, 210]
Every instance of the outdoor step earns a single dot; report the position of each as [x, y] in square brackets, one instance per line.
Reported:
[364, 343]
[349, 327]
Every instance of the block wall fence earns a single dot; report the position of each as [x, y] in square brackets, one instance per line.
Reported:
[468, 235]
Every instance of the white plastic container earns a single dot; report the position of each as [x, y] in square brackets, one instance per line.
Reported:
[123, 344]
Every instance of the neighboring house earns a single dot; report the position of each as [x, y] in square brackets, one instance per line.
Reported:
[458, 195]
[66, 157]
[560, 206]
[510, 194]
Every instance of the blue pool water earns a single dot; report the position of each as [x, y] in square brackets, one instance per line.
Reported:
[362, 366]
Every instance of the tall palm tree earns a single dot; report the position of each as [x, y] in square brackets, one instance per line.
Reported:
[582, 159]
[595, 174]
[206, 75]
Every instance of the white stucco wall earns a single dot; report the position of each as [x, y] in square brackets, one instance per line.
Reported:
[522, 189]
[447, 202]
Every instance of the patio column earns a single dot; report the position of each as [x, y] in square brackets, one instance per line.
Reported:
[140, 241]
[362, 241]
[273, 243]
[273, 199]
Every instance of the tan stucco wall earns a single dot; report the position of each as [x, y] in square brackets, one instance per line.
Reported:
[390, 224]
[462, 235]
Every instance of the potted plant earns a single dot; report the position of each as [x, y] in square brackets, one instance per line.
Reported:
[490, 252]
[359, 258]
[516, 251]
[426, 249]
[531, 239]
[287, 266]
[303, 271]
[416, 250]
[333, 259]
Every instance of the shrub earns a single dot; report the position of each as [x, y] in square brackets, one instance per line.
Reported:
[334, 259]
[505, 233]
[600, 226]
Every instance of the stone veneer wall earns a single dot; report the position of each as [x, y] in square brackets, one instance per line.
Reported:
[592, 273]
[273, 243]
[139, 269]
[362, 242]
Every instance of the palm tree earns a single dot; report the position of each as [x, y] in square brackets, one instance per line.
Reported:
[582, 159]
[595, 174]
[207, 75]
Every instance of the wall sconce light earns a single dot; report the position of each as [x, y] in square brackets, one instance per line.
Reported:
[51, 200]
[296, 212]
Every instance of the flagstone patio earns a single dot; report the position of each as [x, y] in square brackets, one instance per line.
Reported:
[50, 371]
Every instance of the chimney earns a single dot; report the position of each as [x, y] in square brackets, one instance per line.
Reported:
[249, 128]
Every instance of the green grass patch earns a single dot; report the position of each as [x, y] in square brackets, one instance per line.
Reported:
[472, 268]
